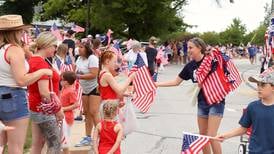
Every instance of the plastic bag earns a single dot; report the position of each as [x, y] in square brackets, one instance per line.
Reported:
[128, 117]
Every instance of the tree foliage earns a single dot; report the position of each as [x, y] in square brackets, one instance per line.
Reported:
[234, 33]
[132, 18]
[212, 38]
[22, 7]
[256, 36]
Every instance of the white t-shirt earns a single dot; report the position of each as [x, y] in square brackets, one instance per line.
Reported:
[83, 66]
[6, 75]
[76, 51]
[131, 57]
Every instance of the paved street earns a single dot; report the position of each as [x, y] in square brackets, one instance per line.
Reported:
[160, 130]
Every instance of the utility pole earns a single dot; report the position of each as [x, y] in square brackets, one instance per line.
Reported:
[88, 18]
[272, 7]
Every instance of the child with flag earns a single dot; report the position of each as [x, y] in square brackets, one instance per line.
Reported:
[258, 116]
[108, 86]
[68, 98]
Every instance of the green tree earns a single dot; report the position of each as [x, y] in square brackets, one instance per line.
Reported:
[256, 36]
[211, 38]
[267, 10]
[234, 33]
[22, 7]
[132, 18]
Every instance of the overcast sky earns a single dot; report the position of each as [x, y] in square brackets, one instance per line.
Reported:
[208, 16]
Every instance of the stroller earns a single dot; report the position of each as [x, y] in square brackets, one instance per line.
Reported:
[244, 139]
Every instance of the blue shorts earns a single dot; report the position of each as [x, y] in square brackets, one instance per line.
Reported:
[13, 103]
[205, 110]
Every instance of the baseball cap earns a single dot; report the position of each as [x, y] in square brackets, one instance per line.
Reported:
[266, 77]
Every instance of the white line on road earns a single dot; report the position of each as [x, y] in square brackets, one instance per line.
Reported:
[230, 109]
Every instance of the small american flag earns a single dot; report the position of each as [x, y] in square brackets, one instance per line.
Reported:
[77, 28]
[79, 90]
[37, 31]
[192, 144]
[144, 86]
[109, 36]
[66, 67]
[26, 38]
[55, 31]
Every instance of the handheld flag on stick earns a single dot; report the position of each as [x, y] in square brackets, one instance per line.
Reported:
[77, 28]
[144, 86]
[192, 143]
[55, 31]
[109, 36]
[37, 31]
[26, 38]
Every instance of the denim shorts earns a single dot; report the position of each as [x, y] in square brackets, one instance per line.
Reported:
[13, 103]
[205, 110]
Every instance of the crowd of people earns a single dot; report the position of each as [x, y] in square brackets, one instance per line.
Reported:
[81, 73]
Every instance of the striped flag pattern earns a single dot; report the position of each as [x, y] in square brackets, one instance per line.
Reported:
[55, 31]
[63, 138]
[109, 36]
[268, 46]
[26, 38]
[79, 94]
[77, 28]
[234, 76]
[144, 86]
[212, 78]
[78, 88]
[66, 67]
[193, 144]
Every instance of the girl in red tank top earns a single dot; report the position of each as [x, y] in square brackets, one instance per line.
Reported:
[108, 133]
[108, 86]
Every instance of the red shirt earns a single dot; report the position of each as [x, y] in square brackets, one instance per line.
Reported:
[106, 92]
[107, 137]
[68, 97]
[37, 63]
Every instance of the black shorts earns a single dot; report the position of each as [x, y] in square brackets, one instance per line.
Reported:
[93, 92]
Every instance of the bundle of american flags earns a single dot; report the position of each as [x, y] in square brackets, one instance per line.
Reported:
[192, 143]
[217, 76]
[144, 86]
[268, 44]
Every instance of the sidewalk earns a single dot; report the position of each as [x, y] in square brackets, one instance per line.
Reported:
[77, 132]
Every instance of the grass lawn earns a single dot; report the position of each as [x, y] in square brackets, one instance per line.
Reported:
[28, 141]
